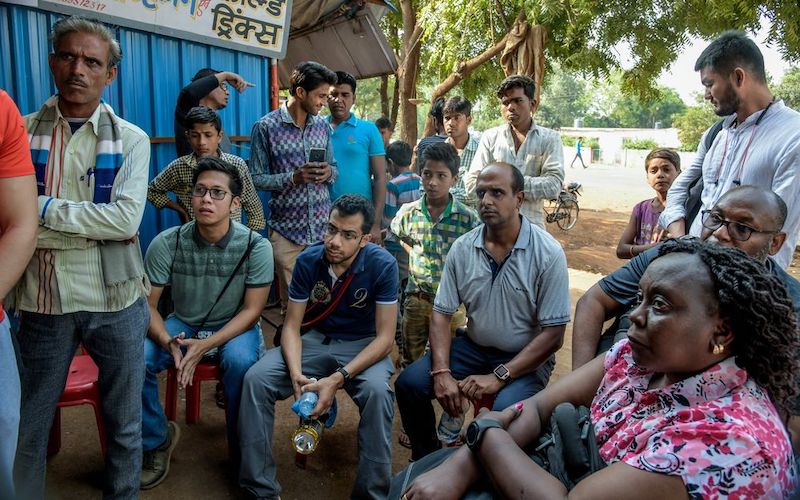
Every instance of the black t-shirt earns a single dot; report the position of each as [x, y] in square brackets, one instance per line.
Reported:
[189, 98]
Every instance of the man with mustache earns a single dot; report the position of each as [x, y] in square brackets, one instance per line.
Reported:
[511, 276]
[358, 149]
[343, 297]
[759, 143]
[280, 163]
[85, 283]
[536, 151]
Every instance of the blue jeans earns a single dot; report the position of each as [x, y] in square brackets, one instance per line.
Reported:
[47, 344]
[236, 356]
[415, 388]
[9, 410]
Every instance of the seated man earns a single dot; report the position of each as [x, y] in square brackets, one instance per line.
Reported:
[220, 273]
[749, 218]
[343, 294]
[512, 277]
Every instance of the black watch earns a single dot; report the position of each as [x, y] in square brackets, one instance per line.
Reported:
[344, 373]
[477, 428]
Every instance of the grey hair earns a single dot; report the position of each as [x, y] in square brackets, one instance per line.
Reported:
[79, 24]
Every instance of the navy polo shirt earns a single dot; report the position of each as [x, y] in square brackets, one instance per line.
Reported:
[375, 281]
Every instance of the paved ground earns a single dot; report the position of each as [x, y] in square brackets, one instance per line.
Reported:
[199, 467]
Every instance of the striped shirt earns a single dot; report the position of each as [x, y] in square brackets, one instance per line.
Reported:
[278, 148]
[177, 178]
[540, 158]
[466, 156]
[65, 274]
[430, 240]
[402, 189]
[766, 155]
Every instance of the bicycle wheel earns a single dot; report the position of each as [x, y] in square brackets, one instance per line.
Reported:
[567, 214]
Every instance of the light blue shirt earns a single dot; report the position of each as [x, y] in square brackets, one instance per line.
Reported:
[354, 142]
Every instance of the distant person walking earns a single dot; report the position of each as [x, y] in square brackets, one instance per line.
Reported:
[578, 149]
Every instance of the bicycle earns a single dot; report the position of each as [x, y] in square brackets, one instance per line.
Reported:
[564, 210]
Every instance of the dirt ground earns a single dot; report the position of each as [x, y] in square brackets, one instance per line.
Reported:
[199, 466]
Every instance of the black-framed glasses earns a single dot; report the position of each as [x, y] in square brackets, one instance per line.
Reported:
[217, 194]
[332, 231]
[738, 231]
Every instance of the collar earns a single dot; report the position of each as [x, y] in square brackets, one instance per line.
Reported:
[471, 144]
[447, 210]
[534, 129]
[775, 106]
[286, 117]
[203, 243]
[523, 237]
[93, 120]
[192, 159]
[351, 120]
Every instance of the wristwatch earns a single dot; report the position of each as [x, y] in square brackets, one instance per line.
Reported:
[477, 428]
[502, 373]
[344, 373]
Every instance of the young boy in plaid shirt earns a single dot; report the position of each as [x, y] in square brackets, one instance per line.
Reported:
[204, 134]
[427, 228]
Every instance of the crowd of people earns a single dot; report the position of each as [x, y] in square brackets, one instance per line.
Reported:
[437, 251]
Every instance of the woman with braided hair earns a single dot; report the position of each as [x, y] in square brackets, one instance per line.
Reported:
[689, 406]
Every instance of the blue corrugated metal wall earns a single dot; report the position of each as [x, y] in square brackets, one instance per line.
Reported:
[154, 68]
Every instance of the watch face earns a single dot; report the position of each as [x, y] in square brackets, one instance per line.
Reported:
[501, 372]
[473, 431]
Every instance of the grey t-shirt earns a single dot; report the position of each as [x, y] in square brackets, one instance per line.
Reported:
[199, 270]
[508, 307]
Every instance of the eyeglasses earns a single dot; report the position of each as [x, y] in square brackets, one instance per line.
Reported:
[736, 230]
[332, 231]
[216, 194]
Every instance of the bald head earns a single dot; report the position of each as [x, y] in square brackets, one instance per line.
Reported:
[768, 209]
[517, 181]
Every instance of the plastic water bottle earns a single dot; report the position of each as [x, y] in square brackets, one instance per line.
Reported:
[305, 404]
[449, 430]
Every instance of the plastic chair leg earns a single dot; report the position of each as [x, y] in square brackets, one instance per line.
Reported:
[171, 401]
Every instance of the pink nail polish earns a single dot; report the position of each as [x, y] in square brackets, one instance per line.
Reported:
[519, 405]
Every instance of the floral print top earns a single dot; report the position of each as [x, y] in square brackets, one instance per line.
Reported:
[717, 430]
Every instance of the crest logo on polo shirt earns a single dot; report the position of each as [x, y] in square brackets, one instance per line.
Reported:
[320, 293]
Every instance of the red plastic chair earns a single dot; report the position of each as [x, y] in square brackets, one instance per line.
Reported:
[81, 389]
[203, 372]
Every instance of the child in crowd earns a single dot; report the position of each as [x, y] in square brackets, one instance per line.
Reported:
[642, 232]
[386, 129]
[204, 133]
[457, 119]
[427, 228]
[402, 188]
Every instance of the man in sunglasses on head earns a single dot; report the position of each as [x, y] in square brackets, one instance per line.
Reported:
[749, 218]
[220, 273]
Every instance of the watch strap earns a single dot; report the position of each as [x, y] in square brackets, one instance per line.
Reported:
[482, 425]
[344, 373]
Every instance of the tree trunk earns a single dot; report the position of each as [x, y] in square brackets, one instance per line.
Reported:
[407, 73]
[384, 95]
[395, 100]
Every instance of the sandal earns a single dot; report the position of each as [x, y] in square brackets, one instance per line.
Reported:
[403, 439]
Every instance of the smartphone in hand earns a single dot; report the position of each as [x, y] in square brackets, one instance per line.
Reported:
[316, 155]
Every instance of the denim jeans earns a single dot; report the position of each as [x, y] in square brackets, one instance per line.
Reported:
[9, 410]
[414, 388]
[236, 356]
[47, 345]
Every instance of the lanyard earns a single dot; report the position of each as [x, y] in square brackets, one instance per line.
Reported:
[738, 177]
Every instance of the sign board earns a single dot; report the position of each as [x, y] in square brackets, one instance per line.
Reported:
[253, 26]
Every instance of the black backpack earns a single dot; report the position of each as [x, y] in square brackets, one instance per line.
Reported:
[694, 201]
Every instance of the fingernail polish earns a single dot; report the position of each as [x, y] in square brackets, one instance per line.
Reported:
[519, 405]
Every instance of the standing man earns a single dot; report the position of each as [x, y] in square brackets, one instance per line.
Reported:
[85, 283]
[358, 149]
[759, 143]
[457, 119]
[512, 278]
[208, 88]
[220, 272]
[17, 242]
[536, 151]
[280, 163]
[344, 296]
